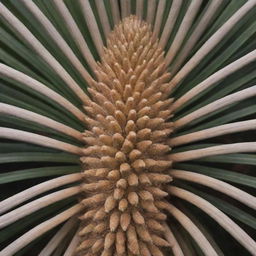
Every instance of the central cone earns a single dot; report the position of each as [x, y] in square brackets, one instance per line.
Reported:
[125, 158]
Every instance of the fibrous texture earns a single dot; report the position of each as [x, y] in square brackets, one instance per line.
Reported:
[127, 127]
[126, 161]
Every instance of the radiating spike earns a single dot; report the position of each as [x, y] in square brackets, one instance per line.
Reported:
[125, 221]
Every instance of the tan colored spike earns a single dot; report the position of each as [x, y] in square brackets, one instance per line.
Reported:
[88, 215]
[146, 195]
[132, 240]
[114, 175]
[133, 198]
[96, 199]
[100, 228]
[144, 249]
[143, 234]
[137, 217]
[125, 220]
[159, 241]
[133, 180]
[118, 193]
[109, 240]
[155, 250]
[110, 203]
[155, 225]
[126, 166]
[100, 214]
[87, 229]
[114, 221]
[123, 204]
[98, 245]
[120, 243]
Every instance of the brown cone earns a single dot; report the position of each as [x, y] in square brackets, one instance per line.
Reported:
[125, 158]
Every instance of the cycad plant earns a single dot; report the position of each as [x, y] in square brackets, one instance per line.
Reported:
[127, 127]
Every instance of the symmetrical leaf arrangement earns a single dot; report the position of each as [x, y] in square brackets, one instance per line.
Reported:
[127, 127]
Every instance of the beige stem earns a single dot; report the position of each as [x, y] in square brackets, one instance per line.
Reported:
[25, 195]
[216, 105]
[58, 39]
[139, 9]
[125, 8]
[183, 30]
[115, 11]
[228, 224]
[58, 237]
[216, 184]
[37, 204]
[214, 78]
[103, 17]
[197, 33]
[92, 25]
[213, 41]
[9, 72]
[169, 236]
[151, 11]
[73, 245]
[192, 229]
[39, 230]
[212, 151]
[42, 51]
[14, 134]
[213, 132]
[172, 17]
[159, 18]
[39, 119]
[76, 33]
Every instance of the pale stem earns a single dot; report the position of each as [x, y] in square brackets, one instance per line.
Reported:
[192, 229]
[169, 236]
[58, 237]
[42, 51]
[172, 17]
[73, 245]
[39, 230]
[92, 26]
[151, 11]
[228, 224]
[213, 132]
[183, 30]
[37, 204]
[58, 39]
[203, 229]
[216, 184]
[76, 33]
[25, 195]
[213, 41]
[215, 78]
[103, 17]
[139, 9]
[14, 134]
[39, 119]
[185, 246]
[41, 88]
[125, 8]
[115, 11]
[159, 18]
[212, 151]
[216, 105]
[196, 34]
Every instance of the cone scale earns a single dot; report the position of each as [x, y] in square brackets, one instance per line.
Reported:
[125, 159]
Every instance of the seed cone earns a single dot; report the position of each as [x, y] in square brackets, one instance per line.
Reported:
[125, 159]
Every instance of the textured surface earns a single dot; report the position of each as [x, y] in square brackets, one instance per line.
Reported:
[125, 162]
